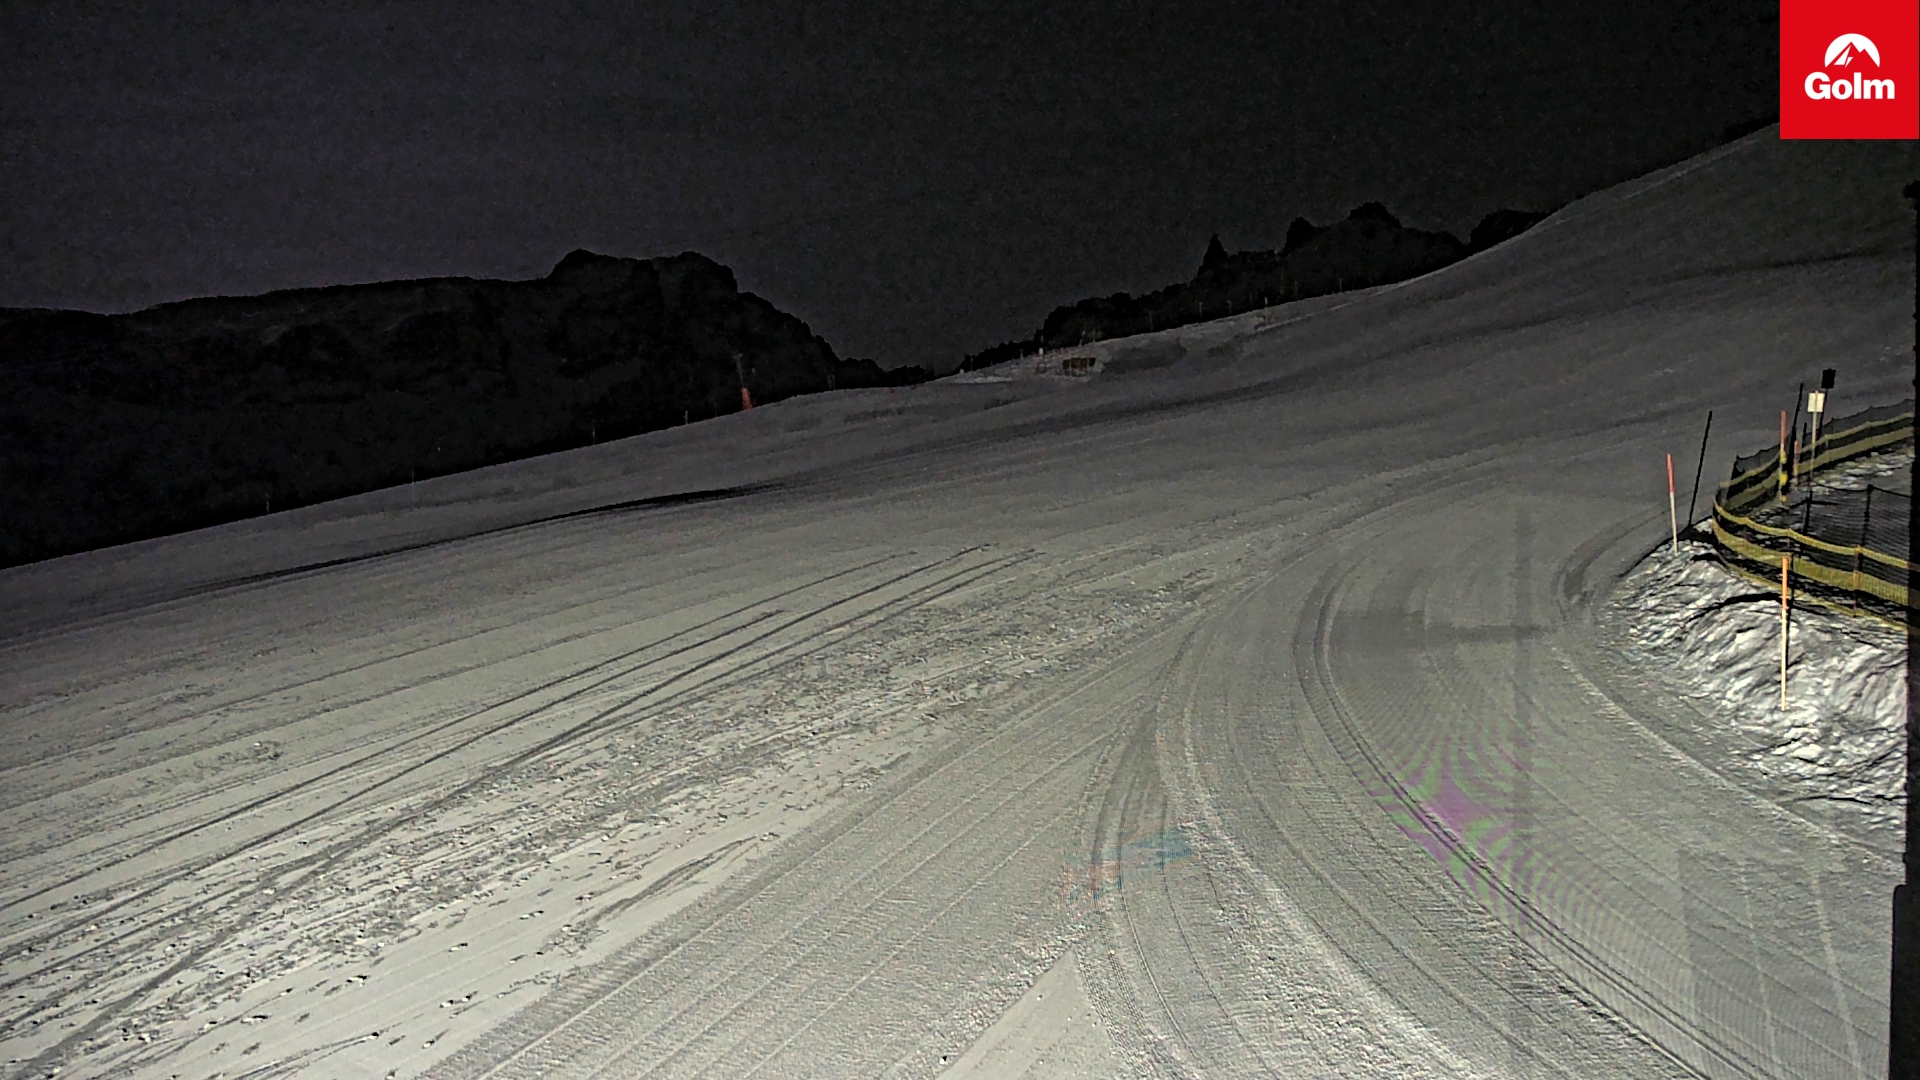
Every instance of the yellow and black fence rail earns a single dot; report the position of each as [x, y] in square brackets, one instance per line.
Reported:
[1848, 547]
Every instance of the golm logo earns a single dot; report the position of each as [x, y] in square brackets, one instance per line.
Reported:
[1842, 53]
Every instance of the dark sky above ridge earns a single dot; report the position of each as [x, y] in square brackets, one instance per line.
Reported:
[915, 181]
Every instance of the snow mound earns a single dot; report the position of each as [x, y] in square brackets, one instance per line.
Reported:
[1712, 638]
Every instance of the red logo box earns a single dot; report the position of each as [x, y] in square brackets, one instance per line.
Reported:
[1849, 70]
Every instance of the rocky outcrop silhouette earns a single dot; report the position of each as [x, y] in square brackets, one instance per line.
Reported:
[1369, 247]
[1215, 261]
[121, 427]
[1299, 231]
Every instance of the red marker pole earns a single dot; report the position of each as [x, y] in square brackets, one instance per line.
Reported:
[1673, 512]
[1784, 561]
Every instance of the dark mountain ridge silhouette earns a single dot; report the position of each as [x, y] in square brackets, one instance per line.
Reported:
[123, 427]
[1369, 247]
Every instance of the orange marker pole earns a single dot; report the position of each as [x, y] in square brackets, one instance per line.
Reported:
[1673, 511]
[1784, 560]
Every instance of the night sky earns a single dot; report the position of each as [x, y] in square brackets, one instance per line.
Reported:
[915, 182]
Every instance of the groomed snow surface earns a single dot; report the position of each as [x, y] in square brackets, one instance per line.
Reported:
[1293, 695]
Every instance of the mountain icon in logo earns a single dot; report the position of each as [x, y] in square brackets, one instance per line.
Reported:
[1847, 46]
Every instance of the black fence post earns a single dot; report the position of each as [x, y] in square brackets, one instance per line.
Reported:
[1698, 467]
[1793, 439]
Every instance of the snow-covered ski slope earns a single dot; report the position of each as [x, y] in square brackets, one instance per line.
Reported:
[1241, 710]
